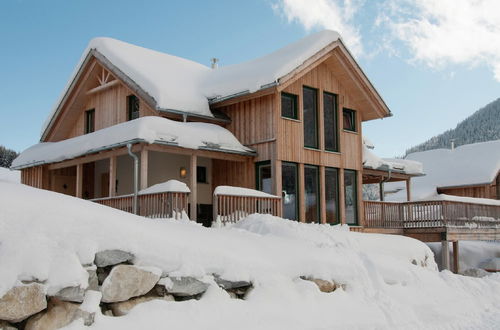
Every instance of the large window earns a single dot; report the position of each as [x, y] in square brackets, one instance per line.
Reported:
[133, 107]
[349, 119]
[89, 121]
[264, 178]
[289, 105]
[310, 117]
[311, 185]
[351, 197]
[332, 195]
[330, 121]
[290, 189]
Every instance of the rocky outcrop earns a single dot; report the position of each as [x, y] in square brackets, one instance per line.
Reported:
[127, 281]
[124, 307]
[112, 257]
[21, 302]
[183, 286]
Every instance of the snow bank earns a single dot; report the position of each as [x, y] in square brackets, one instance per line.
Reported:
[168, 186]
[10, 175]
[152, 129]
[239, 191]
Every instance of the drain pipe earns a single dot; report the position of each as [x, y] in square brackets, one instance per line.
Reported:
[136, 176]
[381, 185]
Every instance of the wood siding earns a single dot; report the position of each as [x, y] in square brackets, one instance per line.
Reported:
[37, 177]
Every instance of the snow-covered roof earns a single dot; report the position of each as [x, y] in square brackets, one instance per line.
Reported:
[179, 84]
[167, 186]
[405, 166]
[191, 135]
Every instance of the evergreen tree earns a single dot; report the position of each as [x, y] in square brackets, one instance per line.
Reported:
[7, 156]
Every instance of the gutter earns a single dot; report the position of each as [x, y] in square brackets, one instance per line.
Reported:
[136, 176]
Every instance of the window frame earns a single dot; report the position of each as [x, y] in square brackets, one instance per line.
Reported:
[295, 109]
[316, 121]
[89, 124]
[258, 165]
[297, 188]
[335, 120]
[318, 193]
[337, 201]
[356, 201]
[129, 107]
[353, 115]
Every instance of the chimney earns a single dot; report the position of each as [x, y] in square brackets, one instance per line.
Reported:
[213, 63]
[452, 144]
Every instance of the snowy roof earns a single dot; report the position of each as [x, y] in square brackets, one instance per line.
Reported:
[191, 135]
[372, 161]
[167, 186]
[179, 84]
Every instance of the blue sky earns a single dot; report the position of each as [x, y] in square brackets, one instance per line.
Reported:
[428, 91]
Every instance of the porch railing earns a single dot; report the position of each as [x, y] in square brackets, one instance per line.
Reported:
[156, 205]
[430, 214]
[232, 208]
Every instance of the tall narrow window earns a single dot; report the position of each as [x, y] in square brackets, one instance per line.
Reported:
[89, 121]
[289, 105]
[310, 117]
[330, 121]
[289, 193]
[349, 119]
[311, 185]
[351, 197]
[332, 194]
[133, 107]
[264, 178]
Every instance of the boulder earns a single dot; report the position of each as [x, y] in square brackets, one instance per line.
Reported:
[112, 257]
[475, 272]
[124, 307]
[102, 273]
[71, 293]
[21, 302]
[58, 314]
[324, 285]
[183, 286]
[6, 326]
[127, 281]
[228, 285]
[93, 281]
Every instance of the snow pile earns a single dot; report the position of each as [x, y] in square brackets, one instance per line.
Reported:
[152, 129]
[390, 281]
[168, 186]
[10, 175]
[239, 191]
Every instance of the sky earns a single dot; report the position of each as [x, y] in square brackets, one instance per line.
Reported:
[433, 62]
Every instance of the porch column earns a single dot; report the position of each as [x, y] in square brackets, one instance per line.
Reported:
[381, 190]
[408, 190]
[112, 176]
[341, 196]
[359, 198]
[302, 194]
[322, 194]
[144, 168]
[455, 258]
[79, 180]
[277, 182]
[193, 186]
[445, 255]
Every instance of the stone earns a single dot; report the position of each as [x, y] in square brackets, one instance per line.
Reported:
[112, 257]
[127, 281]
[93, 280]
[184, 286]
[58, 314]
[324, 285]
[6, 326]
[475, 272]
[124, 307]
[71, 293]
[228, 285]
[102, 273]
[21, 302]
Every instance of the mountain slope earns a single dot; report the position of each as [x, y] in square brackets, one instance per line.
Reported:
[481, 126]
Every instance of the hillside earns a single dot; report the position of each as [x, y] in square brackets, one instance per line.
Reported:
[483, 125]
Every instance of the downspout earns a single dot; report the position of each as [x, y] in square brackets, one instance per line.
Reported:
[136, 176]
[381, 185]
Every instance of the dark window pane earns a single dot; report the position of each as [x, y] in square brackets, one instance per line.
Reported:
[289, 186]
[289, 105]
[351, 197]
[311, 186]
[89, 121]
[331, 195]
[310, 118]
[133, 107]
[349, 119]
[201, 174]
[330, 114]
[264, 178]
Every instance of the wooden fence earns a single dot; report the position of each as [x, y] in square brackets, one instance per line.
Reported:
[232, 208]
[156, 205]
[430, 214]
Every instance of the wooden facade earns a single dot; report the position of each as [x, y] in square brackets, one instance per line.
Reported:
[489, 190]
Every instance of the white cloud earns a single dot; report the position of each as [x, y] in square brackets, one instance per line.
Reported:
[327, 14]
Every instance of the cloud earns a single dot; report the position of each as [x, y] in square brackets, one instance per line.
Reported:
[327, 14]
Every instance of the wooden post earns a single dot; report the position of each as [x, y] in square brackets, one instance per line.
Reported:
[79, 180]
[277, 181]
[322, 194]
[341, 196]
[112, 176]
[381, 190]
[193, 186]
[445, 255]
[408, 189]
[456, 262]
[144, 168]
[359, 197]
[302, 194]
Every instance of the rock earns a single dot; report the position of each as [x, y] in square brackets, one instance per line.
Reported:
[124, 307]
[112, 257]
[58, 314]
[93, 281]
[183, 286]
[102, 273]
[127, 281]
[475, 272]
[22, 301]
[324, 285]
[6, 326]
[71, 293]
[228, 285]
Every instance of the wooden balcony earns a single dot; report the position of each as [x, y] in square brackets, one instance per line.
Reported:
[232, 208]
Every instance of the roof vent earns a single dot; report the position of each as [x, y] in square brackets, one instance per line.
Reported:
[213, 63]
[452, 144]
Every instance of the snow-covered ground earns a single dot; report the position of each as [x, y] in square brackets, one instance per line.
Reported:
[10, 176]
[390, 281]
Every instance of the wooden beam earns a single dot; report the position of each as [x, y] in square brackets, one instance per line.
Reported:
[112, 176]
[144, 168]
[456, 262]
[445, 255]
[193, 186]
[79, 180]
[301, 194]
[408, 189]
[322, 194]
[103, 87]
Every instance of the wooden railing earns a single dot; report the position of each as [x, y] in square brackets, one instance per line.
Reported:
[231, 208]
[157, 205]
[429, 214]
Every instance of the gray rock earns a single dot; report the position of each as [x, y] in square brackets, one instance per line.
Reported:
[112, 257]
[127, 281]
[71, 293]
[21, 302]
[124, 307]
[228, 285]
[475, 272]
[102, 273]
[6, 326]
[184, 286]
[93, 281]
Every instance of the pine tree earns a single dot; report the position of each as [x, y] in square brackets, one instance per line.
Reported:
[7, 156]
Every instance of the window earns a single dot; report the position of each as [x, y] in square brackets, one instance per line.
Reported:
[310, 117]
[201, 174]
[332, 195]
[330, 121]
[349, 120]
[351, 197]
[311, 185]
[133, 107]
[89, 121]
[290, 189]
[264, 178]
[289, 105]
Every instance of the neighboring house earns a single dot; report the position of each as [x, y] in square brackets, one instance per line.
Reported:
[471, 170]
[288, 123]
